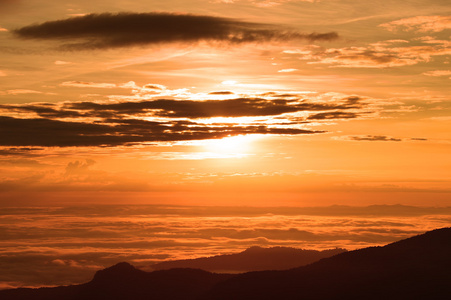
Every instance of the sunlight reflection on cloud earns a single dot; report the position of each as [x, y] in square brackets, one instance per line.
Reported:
[79, 240]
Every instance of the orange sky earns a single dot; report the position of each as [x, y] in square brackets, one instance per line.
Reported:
[225, 102]
[232, 123]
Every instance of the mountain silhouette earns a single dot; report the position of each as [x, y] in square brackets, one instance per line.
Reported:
[124, 282]
[415, 268]
[253, 259]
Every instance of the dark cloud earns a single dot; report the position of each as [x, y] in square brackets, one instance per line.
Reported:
[25, 151]
[333, 115]
[44, 110]
[106, 30]
[153, 87]
[240, 107]
[46, 132]
[159, 120]
[353, 100]
[221, 93]
[170, 108]
[370, 55]
[376, 138]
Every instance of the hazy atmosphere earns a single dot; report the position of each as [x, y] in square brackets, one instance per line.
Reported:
[143, 131]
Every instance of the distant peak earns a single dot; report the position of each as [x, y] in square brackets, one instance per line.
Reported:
[122, 266]
[117, 271]
[254, 248]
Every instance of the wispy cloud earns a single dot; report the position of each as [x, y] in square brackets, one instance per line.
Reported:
[384, 54]
[22, 91]
[374, 138]
[420, 24]
[438, 73]
[101, 31]
[62, 62]
[287, 70]
[83, 84]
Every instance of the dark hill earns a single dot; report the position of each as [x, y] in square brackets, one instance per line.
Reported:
[415, 268]
[252, 259]
[125, 282]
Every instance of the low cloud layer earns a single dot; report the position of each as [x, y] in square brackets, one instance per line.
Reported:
[66, 245]
[106, 30]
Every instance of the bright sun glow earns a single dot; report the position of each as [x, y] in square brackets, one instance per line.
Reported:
[229, 82]
[241, 144]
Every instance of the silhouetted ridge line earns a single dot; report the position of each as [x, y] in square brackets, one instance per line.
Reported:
[119, 273]
[252, 259]
[414, 268]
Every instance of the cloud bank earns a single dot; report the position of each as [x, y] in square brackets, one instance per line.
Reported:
[151, 118]
[50, 133]
[65, 245]
[107, 30]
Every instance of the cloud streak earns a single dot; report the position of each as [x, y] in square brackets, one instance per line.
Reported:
[50, 133]
[383, 54]
[240, 107]
[438, 73]
[375, 138]
[153, 120]
[107, 30]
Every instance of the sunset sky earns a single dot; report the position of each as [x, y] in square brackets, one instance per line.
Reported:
[238, 103]
[225, 102]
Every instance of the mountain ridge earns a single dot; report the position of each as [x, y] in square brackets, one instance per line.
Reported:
[414, 268]
[395, 271]
[254, 258]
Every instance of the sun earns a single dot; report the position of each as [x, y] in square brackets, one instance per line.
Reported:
[241, 144]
